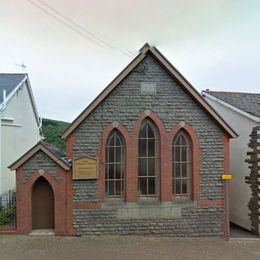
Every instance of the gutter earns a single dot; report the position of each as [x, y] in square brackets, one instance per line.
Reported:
[239, 111]
[37, 117]
[40, 130]
[33, 101]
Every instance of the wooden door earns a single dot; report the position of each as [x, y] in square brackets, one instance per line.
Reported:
[42, 205]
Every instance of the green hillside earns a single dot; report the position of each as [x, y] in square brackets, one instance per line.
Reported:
[52, 129]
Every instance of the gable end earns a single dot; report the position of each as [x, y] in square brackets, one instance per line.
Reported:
[171, 70]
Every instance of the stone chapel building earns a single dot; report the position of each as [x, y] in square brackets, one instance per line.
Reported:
[144, 158]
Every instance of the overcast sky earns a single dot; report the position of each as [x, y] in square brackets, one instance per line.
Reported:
[215, 44]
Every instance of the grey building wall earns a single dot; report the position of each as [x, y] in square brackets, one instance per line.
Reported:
[156, 219]
[172, 104]
[40, 161]
[85, 191]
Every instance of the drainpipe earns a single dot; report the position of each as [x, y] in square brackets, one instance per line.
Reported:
[40, 130]
[1, 109]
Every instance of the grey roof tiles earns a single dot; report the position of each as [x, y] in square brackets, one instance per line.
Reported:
[9, 82]
[248, 102]
[56, 151]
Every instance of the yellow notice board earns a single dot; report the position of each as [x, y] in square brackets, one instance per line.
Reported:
[85, 168]
[226, 176]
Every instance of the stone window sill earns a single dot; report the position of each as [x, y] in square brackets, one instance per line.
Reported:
[149, 203]
[148, 209]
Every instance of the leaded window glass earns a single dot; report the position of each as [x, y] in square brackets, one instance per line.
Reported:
[115, 166]
[181, 166]
[148, 160]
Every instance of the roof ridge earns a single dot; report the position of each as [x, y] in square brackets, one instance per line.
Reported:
[13, 73]
[230, 92]
[43, 142]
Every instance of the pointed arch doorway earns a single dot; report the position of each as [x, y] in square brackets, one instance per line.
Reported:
[42, 205]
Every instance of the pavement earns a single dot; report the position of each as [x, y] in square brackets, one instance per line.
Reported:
[125, 248]
[239, 232]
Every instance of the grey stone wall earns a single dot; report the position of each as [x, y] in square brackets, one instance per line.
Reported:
[172, 104]
[85, 191]
[40, 161]
[173, 220]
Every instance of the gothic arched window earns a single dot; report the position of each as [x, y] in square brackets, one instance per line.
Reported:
[181, 166]
[148, 160]
[115, 166]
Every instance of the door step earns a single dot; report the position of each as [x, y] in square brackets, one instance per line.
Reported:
[42, 232]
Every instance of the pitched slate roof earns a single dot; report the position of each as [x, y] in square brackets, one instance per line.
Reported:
[56, 151]
[144, 51]
[50, 150]
[9, 82]
[248, 102]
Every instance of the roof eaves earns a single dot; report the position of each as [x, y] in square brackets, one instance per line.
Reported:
[33, 101]
[194, 93]
[105, 92]
[39, 146]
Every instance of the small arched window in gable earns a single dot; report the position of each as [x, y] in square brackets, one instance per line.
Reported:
[148, 160]
[181, 166]
[115, 166]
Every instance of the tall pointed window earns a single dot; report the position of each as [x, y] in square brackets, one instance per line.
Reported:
[148, 160]
[181, 160]
[115, 166]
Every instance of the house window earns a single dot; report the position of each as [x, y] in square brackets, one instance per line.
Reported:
[181, 168]
[148, 160]
[115, 166]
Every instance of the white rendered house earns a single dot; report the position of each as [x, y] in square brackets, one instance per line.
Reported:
[242, 112]
[19, 124]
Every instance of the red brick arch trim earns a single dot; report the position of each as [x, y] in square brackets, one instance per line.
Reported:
[165, 176]
[131, 142]
[196, 152]
[154, 118]
[70, 140]
[24, 201]
[101, 154]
